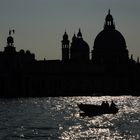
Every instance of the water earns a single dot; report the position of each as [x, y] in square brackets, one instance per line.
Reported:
[58, 119]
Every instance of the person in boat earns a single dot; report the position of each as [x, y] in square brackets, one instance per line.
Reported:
[105, 105]
[112, 105]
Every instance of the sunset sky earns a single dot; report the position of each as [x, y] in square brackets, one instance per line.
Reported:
[40, 24]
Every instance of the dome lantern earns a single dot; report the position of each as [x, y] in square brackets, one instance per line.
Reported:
[79, 35]
[10, 39]
[109, 23]
[74, 38]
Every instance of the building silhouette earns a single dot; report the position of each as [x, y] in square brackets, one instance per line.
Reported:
[110, 71]
[110, 45]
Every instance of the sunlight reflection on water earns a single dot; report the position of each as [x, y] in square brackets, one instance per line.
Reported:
[58, 118]
[124, 125]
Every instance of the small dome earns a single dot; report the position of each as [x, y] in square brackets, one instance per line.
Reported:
[79, 50]
[79, 44]
[109, 40]
[65, 36]
[22, 51]
[28, 52]
[10, 39]
[109, 17]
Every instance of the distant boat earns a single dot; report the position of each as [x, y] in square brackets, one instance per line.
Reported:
[94, 110]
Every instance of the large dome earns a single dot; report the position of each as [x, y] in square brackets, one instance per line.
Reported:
[109, 45]
[109, 39]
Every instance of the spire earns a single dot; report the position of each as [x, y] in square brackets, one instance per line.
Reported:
[108, 11]
[79, 35]
[74, 38]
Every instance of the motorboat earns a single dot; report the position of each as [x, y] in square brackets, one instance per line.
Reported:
[93, 110]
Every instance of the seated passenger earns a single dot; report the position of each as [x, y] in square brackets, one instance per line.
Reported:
[106, 104]
[103, 103]
[112, 104]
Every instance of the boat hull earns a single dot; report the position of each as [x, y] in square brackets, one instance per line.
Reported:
[93, 110]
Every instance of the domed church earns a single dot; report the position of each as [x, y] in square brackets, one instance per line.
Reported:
[78, 51]
[108, 71]
[109, 45]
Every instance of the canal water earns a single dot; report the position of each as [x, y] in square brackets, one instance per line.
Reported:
[57, 118]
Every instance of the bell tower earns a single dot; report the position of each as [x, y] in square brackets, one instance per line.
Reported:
[65, 47]
[10, 43]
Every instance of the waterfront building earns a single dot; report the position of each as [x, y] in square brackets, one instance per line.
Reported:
[110, 71]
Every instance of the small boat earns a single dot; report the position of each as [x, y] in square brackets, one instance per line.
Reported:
[94, 110]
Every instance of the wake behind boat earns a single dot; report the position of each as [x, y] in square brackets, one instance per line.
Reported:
[93, 110]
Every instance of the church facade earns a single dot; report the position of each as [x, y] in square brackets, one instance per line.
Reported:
[109, 71]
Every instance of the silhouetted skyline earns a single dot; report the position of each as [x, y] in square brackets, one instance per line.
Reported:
[39, 25]
[110, 71]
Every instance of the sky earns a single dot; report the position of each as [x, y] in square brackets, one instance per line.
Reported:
[40, 24]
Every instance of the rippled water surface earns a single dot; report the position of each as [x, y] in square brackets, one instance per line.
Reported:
[58, 119]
